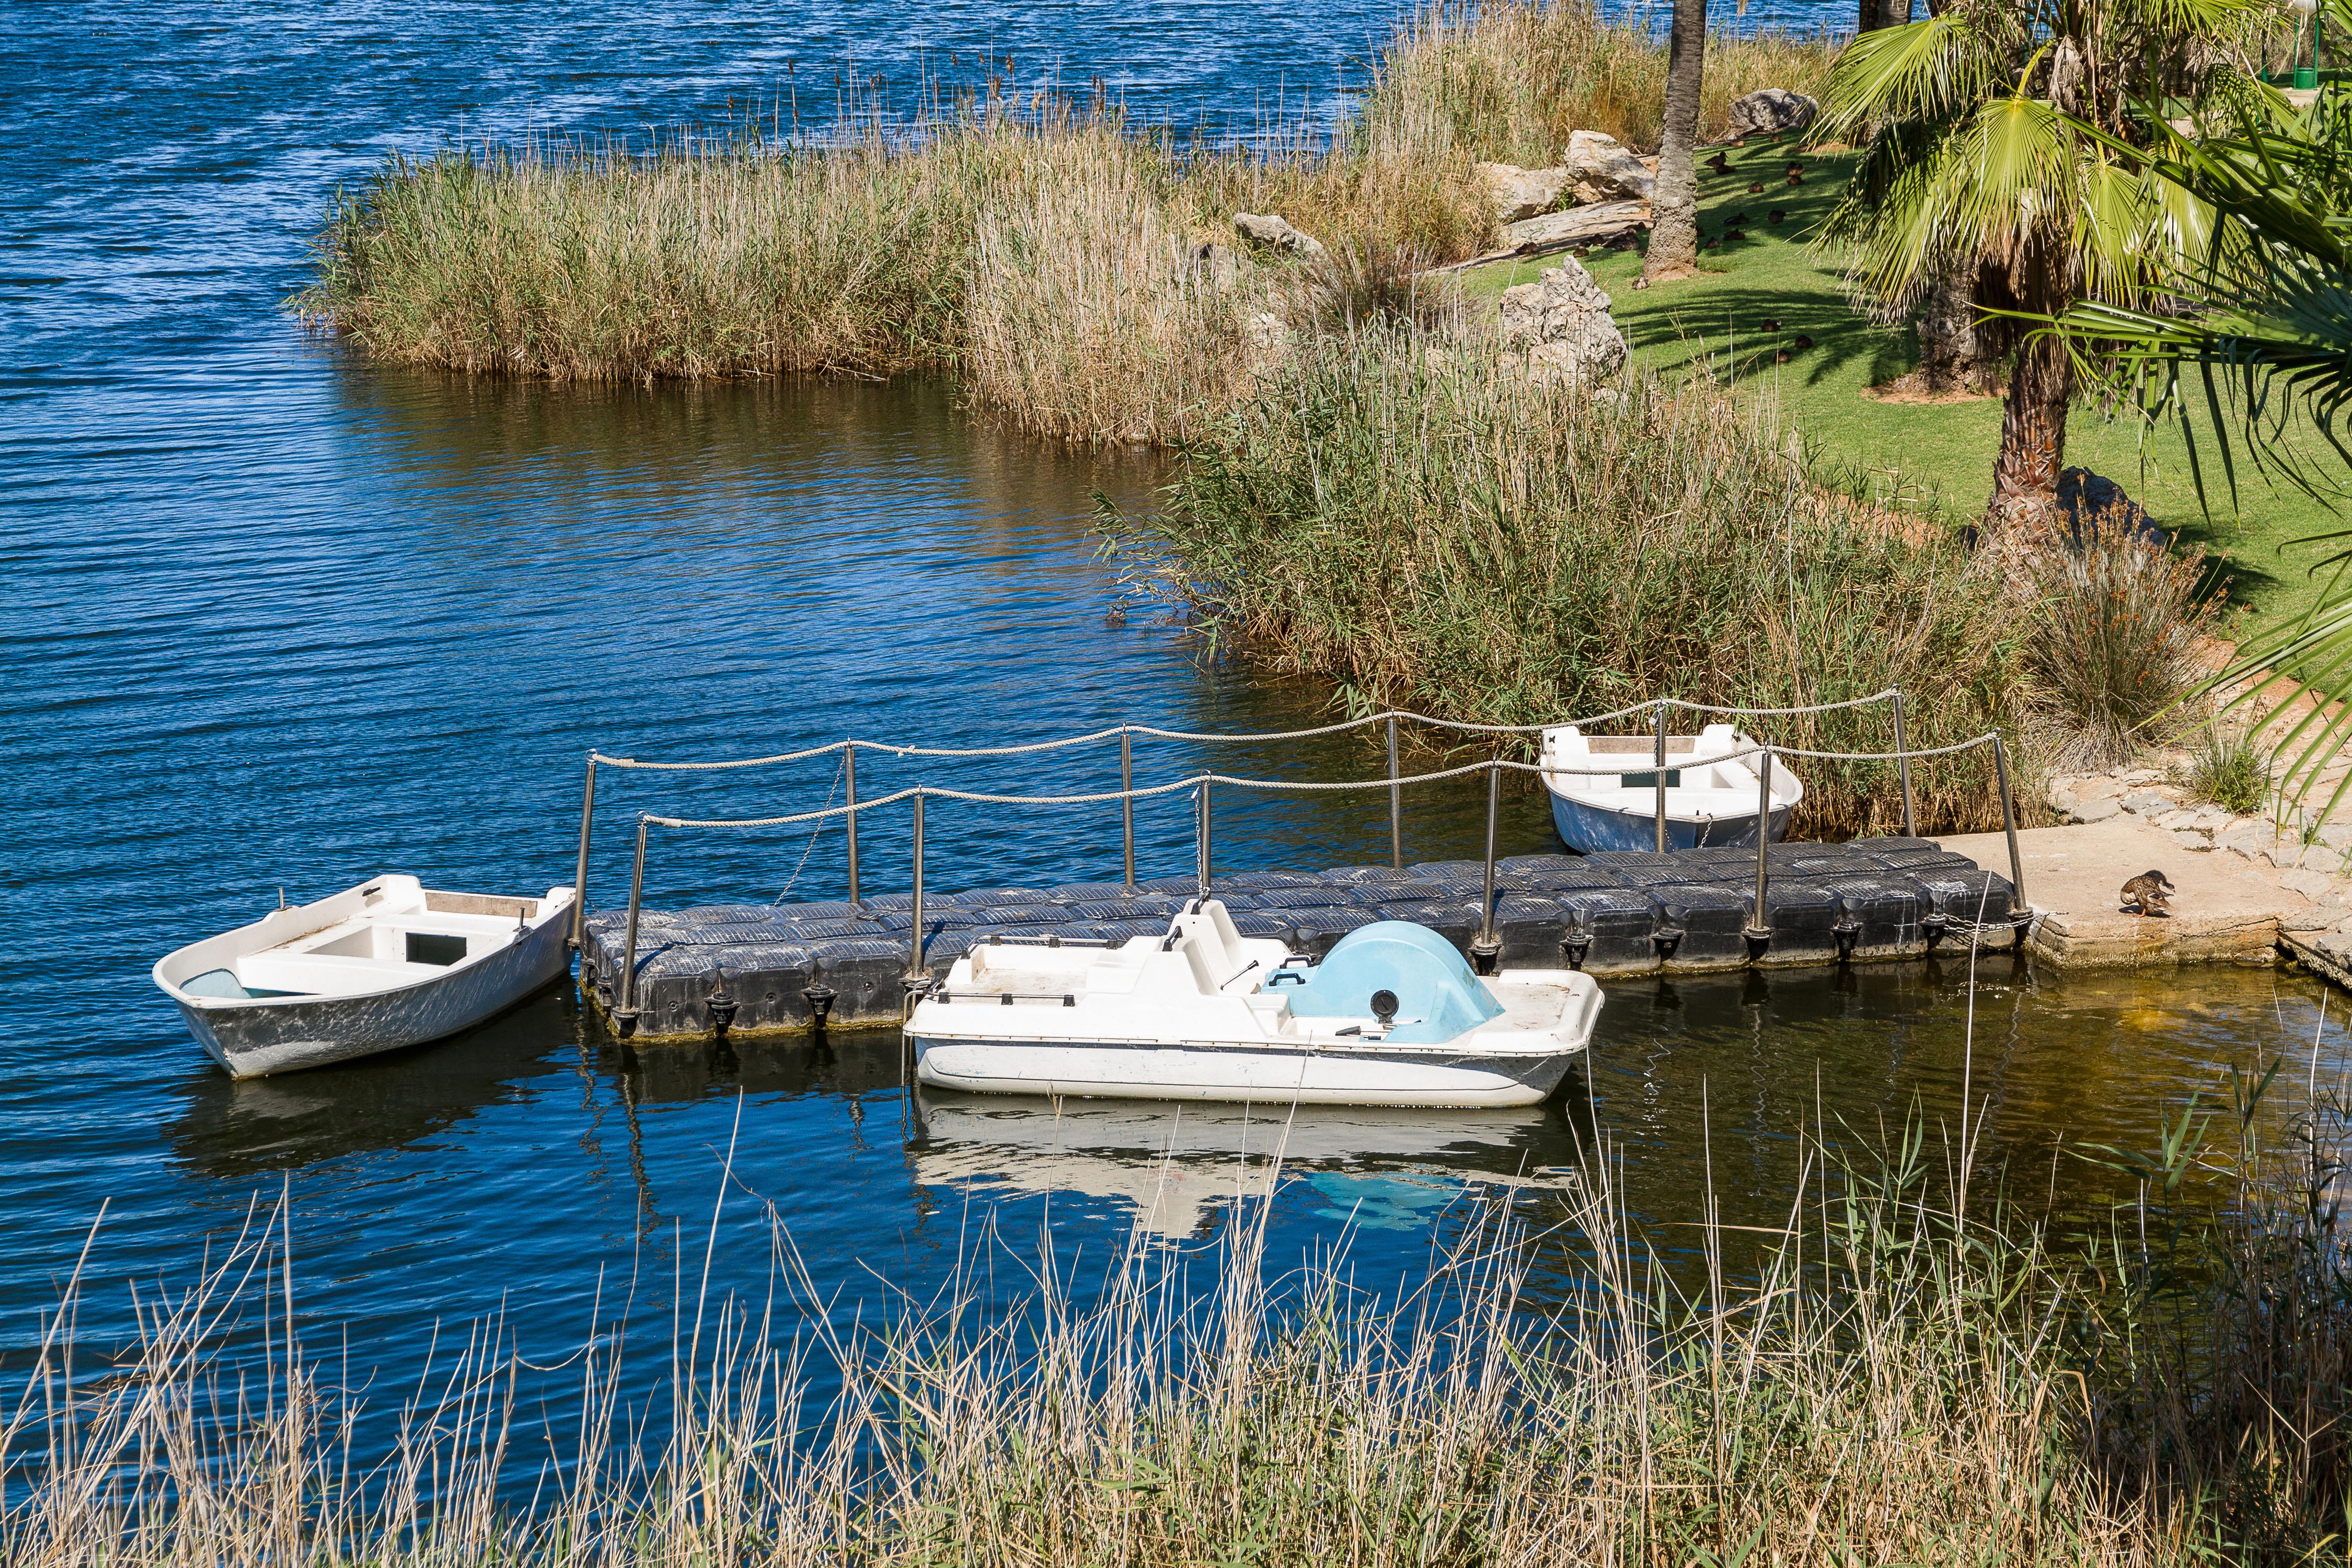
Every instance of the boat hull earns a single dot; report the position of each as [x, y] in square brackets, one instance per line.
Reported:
[277, 1036]
[1434, 1079]
[1589, 830]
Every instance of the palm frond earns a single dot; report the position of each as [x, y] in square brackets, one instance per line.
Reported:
[1930, 69]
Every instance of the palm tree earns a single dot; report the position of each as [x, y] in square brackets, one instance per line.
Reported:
[1998, 141]
[1674, 208]
[2263, 317]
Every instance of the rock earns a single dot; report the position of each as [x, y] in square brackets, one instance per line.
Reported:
[2189, 838]
[1771, 111]
[2062, 800]
[1269, 231]
[2336, 835]
[1602, 164]
[2085, 498]
[2211, 818]
[1611, 399]
[2097, 787]
[1577, 226]
[2140, 777]
[2312, 884]
[1523, 192]
[2099, 810]
[1561, 324]
[2149, 802]
[1215, 265]
[2247, 841]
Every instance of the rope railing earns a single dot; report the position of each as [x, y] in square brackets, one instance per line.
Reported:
[1484, 948]
[848, 749]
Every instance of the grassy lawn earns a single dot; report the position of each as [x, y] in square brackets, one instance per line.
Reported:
[1935, 456]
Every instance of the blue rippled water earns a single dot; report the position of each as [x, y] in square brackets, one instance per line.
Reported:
[277, 620]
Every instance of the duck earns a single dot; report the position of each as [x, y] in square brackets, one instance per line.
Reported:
[2149, 894]
[1769, 325]
[1757, 189]
[1775, 216]
[1799, 344]
[1737, 219]
[1796, 176]
[1720, 163]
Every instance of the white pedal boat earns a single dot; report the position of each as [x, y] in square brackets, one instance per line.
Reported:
[1710, 794]
[385, 964]
[1393, 1016]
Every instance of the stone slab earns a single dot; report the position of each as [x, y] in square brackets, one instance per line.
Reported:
[2226, 908]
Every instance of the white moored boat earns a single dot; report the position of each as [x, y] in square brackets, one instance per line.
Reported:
[1711, 791]
[385, 964]
[1393, 1017]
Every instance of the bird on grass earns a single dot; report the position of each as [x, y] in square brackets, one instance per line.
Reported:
[1736, 219]
[1782, 357]
[1733, 237]
[1799, 344]
[1719, 164]
[1771, 326]
[1757, 189]
[1775, 216]
[1795, 167]
[1796, 176]
[2149, 894]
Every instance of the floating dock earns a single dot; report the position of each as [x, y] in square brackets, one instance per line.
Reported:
[755, 969]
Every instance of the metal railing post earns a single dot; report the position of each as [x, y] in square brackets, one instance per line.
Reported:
[625, 1015]
[580, 875]
[1201, 848]
[1903, 767]
[1757, 926]
[914, 970]
[1396, 802]
[2009, 826]
[1486, 948]
[1660, 775]
[1127, 803]
[850, 763]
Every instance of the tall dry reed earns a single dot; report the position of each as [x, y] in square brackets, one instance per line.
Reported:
[1902, 1374]
[1512, 80]
[1434, 528]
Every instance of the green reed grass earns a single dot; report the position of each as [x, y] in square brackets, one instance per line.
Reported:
[1905, 1373]
[1426, 526]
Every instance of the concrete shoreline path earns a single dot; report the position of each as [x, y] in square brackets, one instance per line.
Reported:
[2242, 903]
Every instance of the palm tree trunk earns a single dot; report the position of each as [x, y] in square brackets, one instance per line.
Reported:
[2033, 438]
[1674, 210]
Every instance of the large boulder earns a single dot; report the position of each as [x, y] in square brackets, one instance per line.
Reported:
[1523, 192]
[1269, 231]
[1770, 112]
[1602, 167]
[1559, 328]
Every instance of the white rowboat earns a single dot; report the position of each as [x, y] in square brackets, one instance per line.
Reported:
[385, 964]
[1711, 793]
[1393, 1017]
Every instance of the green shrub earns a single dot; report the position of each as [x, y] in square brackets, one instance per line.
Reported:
[1430, 528]
[2118, 625]
[2231, 771]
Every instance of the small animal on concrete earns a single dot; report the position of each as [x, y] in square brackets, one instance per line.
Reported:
[2149, 893]
[1775, 216]
[1757, 189]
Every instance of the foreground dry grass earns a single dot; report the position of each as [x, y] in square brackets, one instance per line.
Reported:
[1891, 1385]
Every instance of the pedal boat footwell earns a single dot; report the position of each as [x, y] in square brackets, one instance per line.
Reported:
[1393, 1017]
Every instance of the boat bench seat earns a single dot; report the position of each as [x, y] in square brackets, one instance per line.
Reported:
[316, 974]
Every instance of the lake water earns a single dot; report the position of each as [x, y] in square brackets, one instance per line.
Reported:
[278, 620]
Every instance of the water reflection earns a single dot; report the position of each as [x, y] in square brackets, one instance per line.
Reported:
[1177, 1166]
